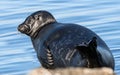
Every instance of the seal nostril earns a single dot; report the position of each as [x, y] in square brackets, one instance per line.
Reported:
[19, 28]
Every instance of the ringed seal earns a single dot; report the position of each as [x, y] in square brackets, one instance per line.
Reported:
[60, 45]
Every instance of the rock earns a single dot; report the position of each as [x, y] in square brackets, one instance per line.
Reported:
[73, 71]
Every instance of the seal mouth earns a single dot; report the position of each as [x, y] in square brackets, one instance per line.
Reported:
[23, 28]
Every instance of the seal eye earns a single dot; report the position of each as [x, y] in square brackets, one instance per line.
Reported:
[36, 17]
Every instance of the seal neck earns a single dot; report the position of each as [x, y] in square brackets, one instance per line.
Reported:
[43, 35]
[33, 34]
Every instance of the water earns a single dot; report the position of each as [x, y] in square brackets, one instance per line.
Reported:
[17, 56]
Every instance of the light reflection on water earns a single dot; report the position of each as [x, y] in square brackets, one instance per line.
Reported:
[17, 55]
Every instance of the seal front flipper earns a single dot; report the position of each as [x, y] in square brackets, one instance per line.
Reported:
[50, 61]
[90, 53]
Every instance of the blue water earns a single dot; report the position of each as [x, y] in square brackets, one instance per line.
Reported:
[17, 56]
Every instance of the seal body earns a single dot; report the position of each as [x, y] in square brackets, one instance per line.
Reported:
[62, 40]
[61, 45]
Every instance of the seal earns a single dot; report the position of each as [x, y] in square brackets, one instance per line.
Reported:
[60, 45]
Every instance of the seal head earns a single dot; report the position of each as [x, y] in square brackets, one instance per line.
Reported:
[35, 22]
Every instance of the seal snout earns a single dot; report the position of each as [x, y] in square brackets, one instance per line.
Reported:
[23, 28]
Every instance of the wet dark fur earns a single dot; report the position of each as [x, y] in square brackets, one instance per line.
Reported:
[65, 45]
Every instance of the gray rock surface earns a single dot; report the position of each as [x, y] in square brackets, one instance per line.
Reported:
[73, 71]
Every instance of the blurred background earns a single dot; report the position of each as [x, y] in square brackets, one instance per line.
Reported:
[17, 56]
